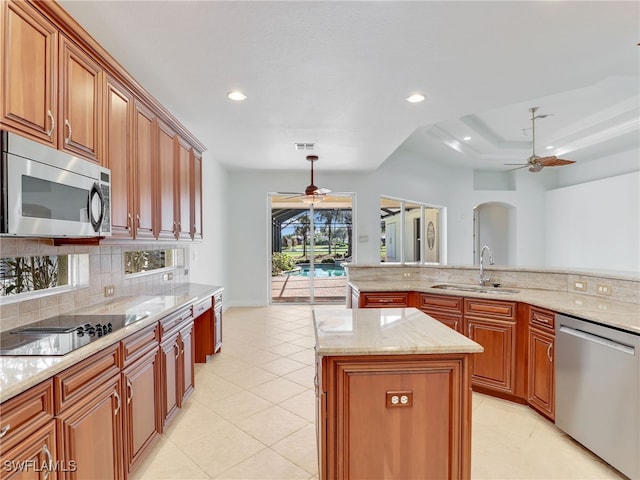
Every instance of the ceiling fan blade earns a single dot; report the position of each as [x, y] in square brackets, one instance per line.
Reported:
[322, 191]
[523, 164]
[553, 161]
[517, 168]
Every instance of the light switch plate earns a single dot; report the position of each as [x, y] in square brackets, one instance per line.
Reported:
[580, 285]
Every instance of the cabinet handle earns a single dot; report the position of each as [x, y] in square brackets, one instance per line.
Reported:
[469, 331]
[68, 125]
[177, 349]
[4, 430]
[46, 451]
[129, 221]
[130, 388]
[119, 403]
[549, 353]
[53, 123]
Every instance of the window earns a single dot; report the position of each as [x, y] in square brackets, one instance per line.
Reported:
[410, 231]
[145, 261]
[25, 276]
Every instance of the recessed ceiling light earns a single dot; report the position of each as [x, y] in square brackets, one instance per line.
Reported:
[236, 95]
[466, 139]
[549, 147]
[415, 98]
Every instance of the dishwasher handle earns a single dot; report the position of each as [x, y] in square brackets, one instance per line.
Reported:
[606, 342]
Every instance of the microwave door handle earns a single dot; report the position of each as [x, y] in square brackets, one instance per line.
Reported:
[95, 190]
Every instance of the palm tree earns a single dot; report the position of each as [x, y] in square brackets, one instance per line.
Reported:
[329, 217]
[302, 230]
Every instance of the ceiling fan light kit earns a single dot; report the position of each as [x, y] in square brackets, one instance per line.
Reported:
[534, 162]
[312, 194]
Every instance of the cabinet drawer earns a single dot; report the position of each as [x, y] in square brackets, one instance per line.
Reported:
[443, 303]
[217, 300]
[398, 299]
[83, 378]
[22, 415]
[542, 318]
[169, 323]
[136, 345]
[490, 308]
[203, 306]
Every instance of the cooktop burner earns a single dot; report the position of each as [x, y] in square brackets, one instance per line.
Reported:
[62, 334]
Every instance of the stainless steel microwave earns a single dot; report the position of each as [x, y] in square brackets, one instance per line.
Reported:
[48, 193]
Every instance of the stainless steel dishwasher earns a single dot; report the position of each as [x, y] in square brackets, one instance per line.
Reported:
[598, 390]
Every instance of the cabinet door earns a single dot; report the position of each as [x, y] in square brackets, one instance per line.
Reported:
[38, 449]
[168, 226]
[436, 398]
[144, 176]
[541, 377]
[452, 321]
[117, 157]
[187, 354]
[29, 72]
[80, 102]
[141, 383]
[196, 196]
[170, 376]
[495, 367]
[183, 183]
[90, 434]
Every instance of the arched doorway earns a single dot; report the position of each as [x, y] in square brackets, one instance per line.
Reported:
[494, 226]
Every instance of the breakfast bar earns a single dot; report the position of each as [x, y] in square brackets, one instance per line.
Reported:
[393, 395]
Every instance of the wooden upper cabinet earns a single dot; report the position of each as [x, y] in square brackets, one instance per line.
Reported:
[29, 72]
[183, 194]
[144, 172]
[118, 127]
[167, 145]
[196, 196]
[80, 102]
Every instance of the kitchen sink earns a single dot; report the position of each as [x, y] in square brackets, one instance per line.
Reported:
[475, 288]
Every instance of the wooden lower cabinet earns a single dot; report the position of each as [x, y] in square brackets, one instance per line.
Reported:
[541, 362]
[364, 434]
[177, 356]
[170, 362]
[141, 407]
[35, 458]
[90, 434]
[444, 308]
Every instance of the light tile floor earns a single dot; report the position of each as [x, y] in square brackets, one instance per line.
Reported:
[252, 415]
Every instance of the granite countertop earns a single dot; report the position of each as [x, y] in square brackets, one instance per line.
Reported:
[385, 331]
[601, 310]
[18, 373]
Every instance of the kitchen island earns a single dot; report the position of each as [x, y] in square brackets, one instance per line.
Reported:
[393, 395]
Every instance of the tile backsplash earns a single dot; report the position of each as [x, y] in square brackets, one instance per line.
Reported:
[106, 267]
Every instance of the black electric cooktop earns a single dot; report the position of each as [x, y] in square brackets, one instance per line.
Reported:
[62, 334]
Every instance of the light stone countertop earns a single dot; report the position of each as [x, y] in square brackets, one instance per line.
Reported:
[601, 310]
[385, 331]
[19, 373]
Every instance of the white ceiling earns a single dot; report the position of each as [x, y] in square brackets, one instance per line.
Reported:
[336, 73]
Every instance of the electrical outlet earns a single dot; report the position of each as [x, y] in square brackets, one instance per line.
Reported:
[580, 285]
[109, 291]
[603, 288]
[407, 275]
[167, 276]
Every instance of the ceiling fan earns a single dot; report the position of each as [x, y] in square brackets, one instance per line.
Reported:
[312, 194]
[534, 162]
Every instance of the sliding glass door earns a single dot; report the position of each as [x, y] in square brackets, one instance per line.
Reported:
[309, 243]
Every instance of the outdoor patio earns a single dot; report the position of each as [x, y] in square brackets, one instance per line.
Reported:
[295, 289]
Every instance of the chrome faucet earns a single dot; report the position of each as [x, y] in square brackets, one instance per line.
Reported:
[484, 278]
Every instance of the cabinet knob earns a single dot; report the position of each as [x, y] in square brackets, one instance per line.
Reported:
[53, 123]
[68, 125]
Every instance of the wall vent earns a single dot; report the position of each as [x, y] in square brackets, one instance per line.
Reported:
[304, 146]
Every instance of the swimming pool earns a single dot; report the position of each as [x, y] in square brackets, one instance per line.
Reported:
[321, 270]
